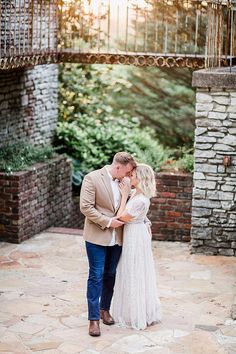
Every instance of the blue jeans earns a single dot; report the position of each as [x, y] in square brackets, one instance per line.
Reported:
[103, 261]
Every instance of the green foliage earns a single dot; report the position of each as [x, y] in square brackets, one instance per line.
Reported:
[183, 163]
[162, 99]
[94, 124]
[20, 155]
[186, 162]
[96, 145]
[149, 150]
[180, 37]
[84, 92]
[91, 130]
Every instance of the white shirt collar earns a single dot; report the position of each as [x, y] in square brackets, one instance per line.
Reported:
[109, 174]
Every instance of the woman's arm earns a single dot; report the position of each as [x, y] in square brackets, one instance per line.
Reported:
[122, 212]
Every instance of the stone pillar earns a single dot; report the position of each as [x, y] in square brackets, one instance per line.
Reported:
[214, 193]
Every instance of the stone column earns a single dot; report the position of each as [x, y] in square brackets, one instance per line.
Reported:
[214, 193]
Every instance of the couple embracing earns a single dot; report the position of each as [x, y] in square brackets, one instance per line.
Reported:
[118, 243]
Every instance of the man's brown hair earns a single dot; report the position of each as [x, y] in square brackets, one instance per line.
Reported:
[124, 158]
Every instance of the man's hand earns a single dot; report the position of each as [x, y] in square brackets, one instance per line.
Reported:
[116, 223]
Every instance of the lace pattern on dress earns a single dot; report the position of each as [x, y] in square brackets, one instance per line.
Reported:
[135, 207]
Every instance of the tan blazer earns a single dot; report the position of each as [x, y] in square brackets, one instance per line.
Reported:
[97, 204]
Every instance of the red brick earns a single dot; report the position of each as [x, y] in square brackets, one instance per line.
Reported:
[53, 197]
[171, 182]
[168, 195]
[160, 224]
[186, 238]
[187, 226]
[188, 190]
[173, 202]
[11, 190]
[165, 207]
[160, 201]
[172, 189]
[174, 214]
[175, 225]
[6, 196]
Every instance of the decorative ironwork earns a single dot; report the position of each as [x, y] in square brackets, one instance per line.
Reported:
[221, 33]
[24, 61]
[28, 32]
[158, 60]
[180, 33]
[174, 28]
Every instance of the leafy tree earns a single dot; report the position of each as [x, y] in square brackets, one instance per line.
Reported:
[91, 130]
[162, 99]
[168, 27]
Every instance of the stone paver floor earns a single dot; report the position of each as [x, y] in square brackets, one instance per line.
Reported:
[43, 304]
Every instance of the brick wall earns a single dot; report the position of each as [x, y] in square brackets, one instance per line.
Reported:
[170, 210]
[33, 200]
[41, 197]
[28, 104]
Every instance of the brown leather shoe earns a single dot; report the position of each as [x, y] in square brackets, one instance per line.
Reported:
[94, 329]
[107, 319]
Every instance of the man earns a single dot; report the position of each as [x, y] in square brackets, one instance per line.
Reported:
[99, 202]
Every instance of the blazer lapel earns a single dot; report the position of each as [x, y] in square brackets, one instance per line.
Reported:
[107, 184]
[118, 206]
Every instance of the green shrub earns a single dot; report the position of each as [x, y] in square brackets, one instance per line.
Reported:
[95, 145]
[182, 162]
[186, 162]
[20, 155]
[92, 129]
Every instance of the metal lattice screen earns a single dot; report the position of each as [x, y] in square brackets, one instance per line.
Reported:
[166, 26]
[28, 32]
[190, 33]
[221, 33]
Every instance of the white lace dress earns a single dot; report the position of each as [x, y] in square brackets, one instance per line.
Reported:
[135, 301]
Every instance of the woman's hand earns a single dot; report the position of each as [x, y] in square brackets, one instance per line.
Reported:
[149, 230]
[125, 187]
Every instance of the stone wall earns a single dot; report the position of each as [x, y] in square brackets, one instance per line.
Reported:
[170, 210]
[214, 193]
[33, 200]
[29, 104]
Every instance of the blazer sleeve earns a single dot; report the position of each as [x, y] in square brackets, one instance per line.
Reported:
[87, 204]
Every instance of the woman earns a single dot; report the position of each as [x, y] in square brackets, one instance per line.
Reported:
[135, 302]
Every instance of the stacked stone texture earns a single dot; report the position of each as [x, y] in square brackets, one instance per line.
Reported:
[214, 193]
[170, 211]
[33, 200]
[29, 104]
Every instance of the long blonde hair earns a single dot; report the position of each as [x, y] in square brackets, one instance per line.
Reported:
[146, 180]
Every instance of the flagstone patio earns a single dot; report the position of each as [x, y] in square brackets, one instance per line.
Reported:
[43, 303]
